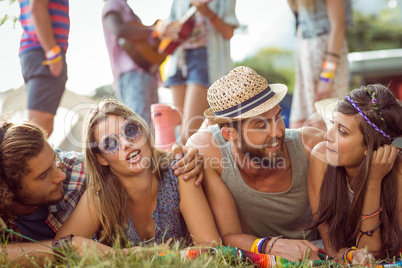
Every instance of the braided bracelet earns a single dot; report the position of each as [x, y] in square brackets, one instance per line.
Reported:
[371, 214]
[369, 232]
[263, 245]
[273, 242]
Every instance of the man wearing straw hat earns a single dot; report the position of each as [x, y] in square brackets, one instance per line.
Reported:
[253, 163]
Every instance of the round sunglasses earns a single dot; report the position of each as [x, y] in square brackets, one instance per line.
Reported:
[131, 131]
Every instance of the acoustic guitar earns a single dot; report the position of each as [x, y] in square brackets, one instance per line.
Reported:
[167, 45]
[142, 52]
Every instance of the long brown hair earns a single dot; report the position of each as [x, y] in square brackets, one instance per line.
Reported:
[343, 219]
[106, 191]
[21, 142]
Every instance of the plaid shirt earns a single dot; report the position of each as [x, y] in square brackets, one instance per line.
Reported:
[73, 165]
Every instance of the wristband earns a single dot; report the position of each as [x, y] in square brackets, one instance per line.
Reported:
[53, 53]
[263, 244]
[347, 255]
[328, 65]
[254, 246]
[325, 74]
[326, 80]
[52, 61]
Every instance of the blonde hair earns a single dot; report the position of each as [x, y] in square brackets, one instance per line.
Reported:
[20, 143]
[104, 189]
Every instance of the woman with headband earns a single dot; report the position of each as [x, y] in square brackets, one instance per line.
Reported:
[133, 196]
[355, 178]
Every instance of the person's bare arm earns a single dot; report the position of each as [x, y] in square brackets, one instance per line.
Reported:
[218, 195]
[83, 221]
[128, 31]
[197, 214]
[225, 29]
[17, 253]
[382, 161]
[336, 17]
[44, 31]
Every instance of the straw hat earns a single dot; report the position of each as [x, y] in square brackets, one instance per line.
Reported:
[241, 94]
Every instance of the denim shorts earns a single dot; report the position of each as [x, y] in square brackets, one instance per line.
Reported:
[197, 69]
[44, 90]
[138, 90]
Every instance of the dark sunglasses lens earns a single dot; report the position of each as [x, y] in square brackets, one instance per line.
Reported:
[109, 144]
[131, 130]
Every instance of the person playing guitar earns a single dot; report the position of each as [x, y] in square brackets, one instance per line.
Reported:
[197, 35]
[128, 45]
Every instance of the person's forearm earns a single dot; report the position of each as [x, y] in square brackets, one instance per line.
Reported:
[242, 241]
[226, 30]
[43, 24]
[17, 253]
[336, 17]
[335, 41]
[371, 218]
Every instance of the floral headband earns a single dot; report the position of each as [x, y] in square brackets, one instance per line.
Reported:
[374, 102]
[375, 107]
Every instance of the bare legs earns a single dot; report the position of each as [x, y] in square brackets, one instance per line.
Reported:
[192, 100]
[44, 119]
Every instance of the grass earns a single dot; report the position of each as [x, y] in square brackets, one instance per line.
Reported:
[142, 257]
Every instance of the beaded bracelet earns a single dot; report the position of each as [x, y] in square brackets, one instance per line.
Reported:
[273, 242]
[364, 217]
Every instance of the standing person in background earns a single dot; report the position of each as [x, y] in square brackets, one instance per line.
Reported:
[202, 58]
[42, 52]
[136, 87]
[321, 58]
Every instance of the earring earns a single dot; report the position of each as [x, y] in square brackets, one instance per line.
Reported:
[365, 152]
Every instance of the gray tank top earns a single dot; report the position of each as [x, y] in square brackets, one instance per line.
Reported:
[261, 214]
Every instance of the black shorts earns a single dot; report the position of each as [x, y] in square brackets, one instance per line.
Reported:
[44, 90]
